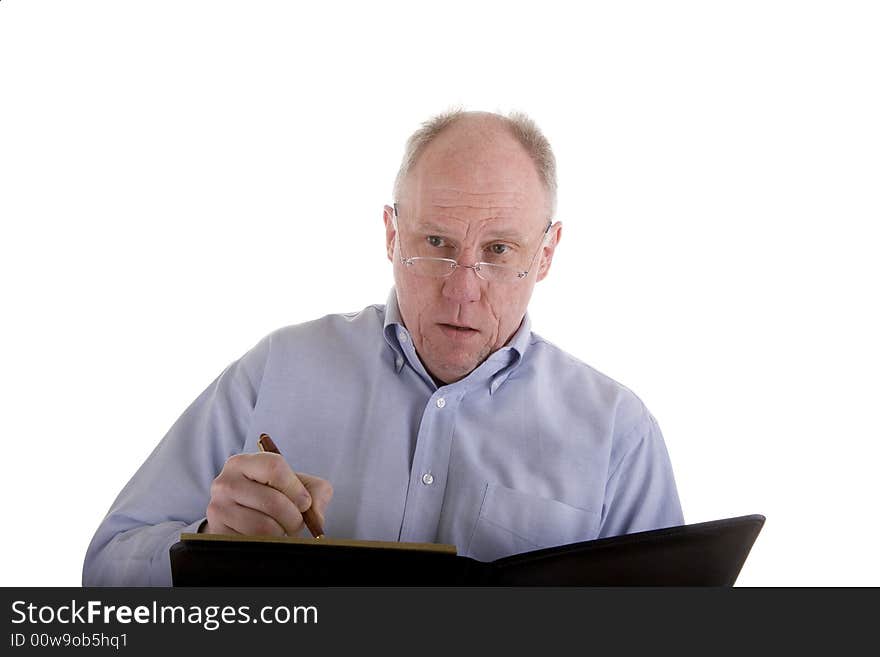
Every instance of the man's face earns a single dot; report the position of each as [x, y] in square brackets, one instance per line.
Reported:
[473, 196]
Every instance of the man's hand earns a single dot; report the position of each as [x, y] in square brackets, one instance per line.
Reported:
[260, 494]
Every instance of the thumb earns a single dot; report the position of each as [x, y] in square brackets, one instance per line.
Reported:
[320, 490]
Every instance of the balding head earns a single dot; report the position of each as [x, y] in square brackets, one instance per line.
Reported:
[473, 131]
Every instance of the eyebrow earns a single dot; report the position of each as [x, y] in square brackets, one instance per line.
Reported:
[499, 234]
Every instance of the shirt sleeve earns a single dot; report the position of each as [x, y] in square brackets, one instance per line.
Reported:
[640, 493]
[169, 493]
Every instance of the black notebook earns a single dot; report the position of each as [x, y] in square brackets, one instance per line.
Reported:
[702, 554]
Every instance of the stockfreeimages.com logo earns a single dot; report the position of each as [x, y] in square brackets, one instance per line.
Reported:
[210, 617]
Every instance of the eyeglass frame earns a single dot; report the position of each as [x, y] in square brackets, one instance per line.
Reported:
[455, 264]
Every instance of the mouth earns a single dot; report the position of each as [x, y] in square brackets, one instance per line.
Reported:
[457, 331]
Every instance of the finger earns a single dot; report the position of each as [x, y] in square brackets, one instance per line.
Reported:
[218, 527]
[249, 521]
[224, 510]
[269, 501]
[320, 490]
[272, 470]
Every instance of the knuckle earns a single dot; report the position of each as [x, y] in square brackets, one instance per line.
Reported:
[213, 511]
[234, 462]
[265, 525]
[220, 488]
[277, 468]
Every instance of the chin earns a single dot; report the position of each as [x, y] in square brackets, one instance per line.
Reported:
[453, 373]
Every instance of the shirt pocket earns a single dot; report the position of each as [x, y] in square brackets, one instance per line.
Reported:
[511, 522]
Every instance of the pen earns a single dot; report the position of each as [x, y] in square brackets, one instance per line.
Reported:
[266, 444]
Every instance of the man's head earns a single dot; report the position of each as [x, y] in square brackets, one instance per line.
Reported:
[473, 187]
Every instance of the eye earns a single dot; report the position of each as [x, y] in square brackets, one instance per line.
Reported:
[499, 249]
[435, 241]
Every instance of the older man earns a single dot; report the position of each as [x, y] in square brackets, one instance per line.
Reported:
[438, 417]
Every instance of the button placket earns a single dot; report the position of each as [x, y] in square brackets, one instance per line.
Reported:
[426, 493]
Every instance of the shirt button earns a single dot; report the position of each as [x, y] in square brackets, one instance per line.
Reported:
[427, 479]
[441, 402]
[402, 336]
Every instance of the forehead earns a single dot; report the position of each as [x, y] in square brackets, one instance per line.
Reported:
[455, 212]
[473, 184]
[477, 172]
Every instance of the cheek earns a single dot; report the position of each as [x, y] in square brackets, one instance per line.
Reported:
[417, 292]
[414, 296]
[508, 310]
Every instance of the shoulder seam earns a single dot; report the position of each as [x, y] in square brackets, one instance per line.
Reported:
[536, 339]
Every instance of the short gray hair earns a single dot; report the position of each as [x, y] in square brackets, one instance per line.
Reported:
[520, 126]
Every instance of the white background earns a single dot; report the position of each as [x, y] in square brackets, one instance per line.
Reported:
[177, 179]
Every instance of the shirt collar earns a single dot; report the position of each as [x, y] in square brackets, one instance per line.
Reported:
[494, 371]
[394, 328]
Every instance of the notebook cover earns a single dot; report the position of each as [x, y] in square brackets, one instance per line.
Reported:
[703, 554]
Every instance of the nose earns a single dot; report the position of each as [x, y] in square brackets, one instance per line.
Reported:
[463, 285]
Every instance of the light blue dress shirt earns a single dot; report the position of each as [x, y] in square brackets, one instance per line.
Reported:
[532, 449]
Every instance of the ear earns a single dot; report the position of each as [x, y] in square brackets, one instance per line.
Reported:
[549, 248]
[390, 232]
